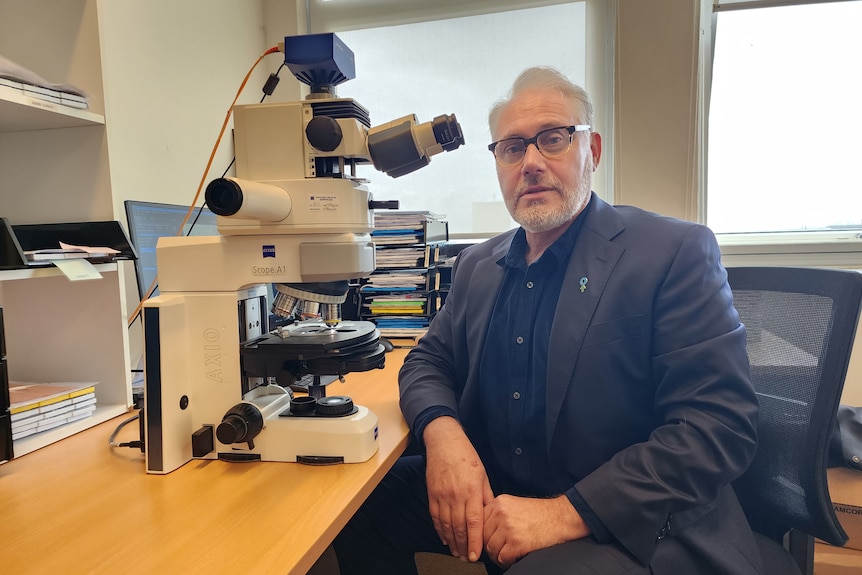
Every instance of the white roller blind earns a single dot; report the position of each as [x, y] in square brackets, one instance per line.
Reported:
[785, 120]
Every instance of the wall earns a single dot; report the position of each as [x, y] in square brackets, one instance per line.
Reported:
[68, 180]
[601, 34]
[655, 113]
[171, 70]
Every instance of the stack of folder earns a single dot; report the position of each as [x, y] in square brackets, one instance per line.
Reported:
[400, 296]
[37, 407]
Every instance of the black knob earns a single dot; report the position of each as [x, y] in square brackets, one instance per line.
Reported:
[303, 405]
[334, 406]
[242, 423]
[324, 133]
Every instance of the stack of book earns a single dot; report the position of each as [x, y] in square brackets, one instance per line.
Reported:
[37, 407]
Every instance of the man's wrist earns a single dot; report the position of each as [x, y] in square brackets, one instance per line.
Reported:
[574, 525]
[441, 429]
[426, 417]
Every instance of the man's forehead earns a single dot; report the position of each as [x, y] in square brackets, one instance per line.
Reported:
[533, 110]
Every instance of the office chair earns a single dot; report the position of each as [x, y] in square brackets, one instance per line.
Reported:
[800, 324]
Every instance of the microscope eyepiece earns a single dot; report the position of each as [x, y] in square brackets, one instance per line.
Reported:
[223, 197]
[447, 132]
[248, 199]
[403, 146]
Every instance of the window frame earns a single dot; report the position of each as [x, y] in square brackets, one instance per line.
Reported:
[838, 249]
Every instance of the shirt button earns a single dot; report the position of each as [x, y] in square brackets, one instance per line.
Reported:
[518, 451]
[519, 339]
[516, 395]
[529, 285]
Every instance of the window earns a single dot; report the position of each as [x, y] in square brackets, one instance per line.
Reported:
[458, 66]
[785, 120]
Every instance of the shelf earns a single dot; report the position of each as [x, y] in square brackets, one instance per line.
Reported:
[57, 329]
[31, 443]
[46, 272]
[19, 113]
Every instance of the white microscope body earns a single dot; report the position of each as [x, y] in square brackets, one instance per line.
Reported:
[294, 218]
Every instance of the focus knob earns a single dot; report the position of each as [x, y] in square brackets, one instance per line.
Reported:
[241, 424]
[334, 406]
[324, 133]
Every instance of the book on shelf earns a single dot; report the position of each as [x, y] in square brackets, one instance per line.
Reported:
[36, 407]
[400, 280]
[394, 219]
[420, 256]
[408, 228]
[395, 237]
[402, 326]
[406, 304]
[30, 84]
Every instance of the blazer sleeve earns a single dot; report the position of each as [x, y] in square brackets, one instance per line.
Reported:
[429, 376]
[704, 403]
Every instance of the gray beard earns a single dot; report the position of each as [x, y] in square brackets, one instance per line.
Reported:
[536, 216]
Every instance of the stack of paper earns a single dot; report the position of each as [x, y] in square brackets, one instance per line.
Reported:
[401, 280]
[400, 297]
[392, 304]
[391, 220]
[67, 251]
[38, 407]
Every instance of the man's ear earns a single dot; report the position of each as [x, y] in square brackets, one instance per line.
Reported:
[596, 148]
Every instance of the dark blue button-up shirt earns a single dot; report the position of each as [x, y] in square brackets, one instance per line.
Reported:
[514, 366]
[513, 374]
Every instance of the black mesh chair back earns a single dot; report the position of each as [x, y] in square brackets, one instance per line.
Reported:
[800, 324]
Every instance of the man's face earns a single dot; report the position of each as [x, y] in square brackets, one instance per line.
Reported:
[542, 193]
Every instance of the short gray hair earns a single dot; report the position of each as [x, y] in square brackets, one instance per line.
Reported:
[539, 77]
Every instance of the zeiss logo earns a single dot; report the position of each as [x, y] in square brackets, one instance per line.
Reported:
[268, 251]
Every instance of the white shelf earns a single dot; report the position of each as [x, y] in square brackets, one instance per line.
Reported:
[57, 329]
[19, 113]
[46, 272]
[36, 441]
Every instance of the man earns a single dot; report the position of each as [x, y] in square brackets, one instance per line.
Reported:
[583, 398]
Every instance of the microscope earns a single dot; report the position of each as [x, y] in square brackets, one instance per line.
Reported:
[216, 379]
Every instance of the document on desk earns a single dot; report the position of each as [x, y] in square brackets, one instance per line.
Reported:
[69, 251]
[78, 269]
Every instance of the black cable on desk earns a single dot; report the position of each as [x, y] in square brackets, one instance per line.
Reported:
[112, 441]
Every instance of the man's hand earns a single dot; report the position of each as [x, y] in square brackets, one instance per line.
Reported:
[515, 526]
[458, 487]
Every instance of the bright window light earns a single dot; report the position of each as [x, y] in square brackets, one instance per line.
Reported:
[785, 123]
[458, 66]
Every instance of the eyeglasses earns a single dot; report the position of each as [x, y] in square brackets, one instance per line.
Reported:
[551, 143]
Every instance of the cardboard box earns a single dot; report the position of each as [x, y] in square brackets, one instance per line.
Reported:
[829, 560]
[845, 489]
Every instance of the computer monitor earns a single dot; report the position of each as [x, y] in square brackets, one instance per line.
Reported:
[148, 221]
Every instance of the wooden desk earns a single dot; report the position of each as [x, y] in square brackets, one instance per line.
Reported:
[80, 506]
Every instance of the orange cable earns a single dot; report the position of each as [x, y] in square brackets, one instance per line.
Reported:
[155, 282]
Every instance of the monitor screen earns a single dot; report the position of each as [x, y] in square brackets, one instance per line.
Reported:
[148, 221]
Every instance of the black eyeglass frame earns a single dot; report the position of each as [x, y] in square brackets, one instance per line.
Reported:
[535, 141]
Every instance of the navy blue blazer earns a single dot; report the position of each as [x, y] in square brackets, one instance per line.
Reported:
[650, 409]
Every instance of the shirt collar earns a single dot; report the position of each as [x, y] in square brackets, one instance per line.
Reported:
[517, 255]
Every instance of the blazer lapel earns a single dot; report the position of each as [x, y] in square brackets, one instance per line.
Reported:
[590, 266]
[487, 276]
